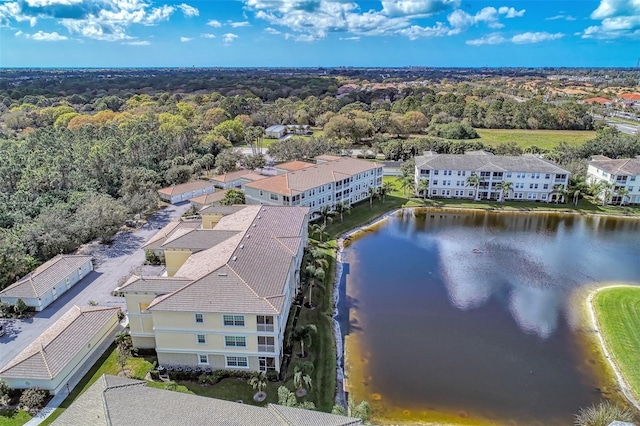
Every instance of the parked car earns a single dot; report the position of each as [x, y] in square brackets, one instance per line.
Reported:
[3, 329]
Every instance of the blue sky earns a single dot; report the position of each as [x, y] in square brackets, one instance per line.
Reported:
[247, 33]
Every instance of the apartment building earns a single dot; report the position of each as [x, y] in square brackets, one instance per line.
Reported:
[621, 173]
[227, 298]
[532, 178]
[330, 181]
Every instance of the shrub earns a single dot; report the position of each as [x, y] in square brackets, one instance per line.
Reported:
[603, 414]
[20, 308]
[33, 399]
[4, 393]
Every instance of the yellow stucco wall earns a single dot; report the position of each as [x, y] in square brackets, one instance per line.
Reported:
[209, 220]
[174, 259]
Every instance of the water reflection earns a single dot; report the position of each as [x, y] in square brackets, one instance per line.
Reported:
[468, 311]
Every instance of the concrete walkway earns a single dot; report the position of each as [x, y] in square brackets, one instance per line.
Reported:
[74, 380]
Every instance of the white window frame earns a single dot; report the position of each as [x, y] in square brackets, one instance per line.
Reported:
[204, 339]
[206, 357]
[235, 339]
[237, 360]
[196, 316]
[234, 320]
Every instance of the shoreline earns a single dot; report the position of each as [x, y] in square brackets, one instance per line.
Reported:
[624, 387]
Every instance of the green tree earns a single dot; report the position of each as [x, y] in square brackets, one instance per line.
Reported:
[178, 174]
[227, 161]
[326, 213]
[423, 187]
[231, 130]
[258, 381]
[386, 188]
[622, 192]
[505, 188]
[20, 308]
[342, 208]
[233, 196]
[474, 181]
[316, 276]
[406, 182]
[303, 335]
[361, 411]
[319, 230]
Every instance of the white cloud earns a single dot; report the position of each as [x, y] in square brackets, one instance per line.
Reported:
[213, 23]
[415, 31]
[189, 11]
[510, 12]
[523, 38]
[18, 33]
[535, 37]
[207, 35]
[100, 19]
[561, 16]
[185, 39]
[350, 38]
[228, 38]
[417, 7]
[42, 36]
[271, 30]
[239, 24]
[137, 43]
[619, 18]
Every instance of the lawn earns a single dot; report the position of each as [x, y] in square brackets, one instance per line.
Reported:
[14, 417]
[545, 139]
[233, 389]
[618, 315]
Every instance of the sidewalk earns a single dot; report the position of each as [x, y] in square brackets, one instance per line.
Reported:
[73, 382]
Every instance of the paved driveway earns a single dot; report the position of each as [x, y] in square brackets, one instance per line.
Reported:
[113, 262]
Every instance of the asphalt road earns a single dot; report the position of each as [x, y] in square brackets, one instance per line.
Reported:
[114, 261]
[624, 127]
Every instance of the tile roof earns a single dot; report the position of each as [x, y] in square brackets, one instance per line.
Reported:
[223, 210]
[252, 176]
[161, 236]
[498, 163]
[197, 239]
[45, 276]
[621, 166]
[293, 166]
[311, 177]
[631, 96]
[231, 176]
[185, 187]
[214, 197]
[128, 402]
[51, 352]
[158, 285]
[597, 100]
[327, 157]
[246, 273]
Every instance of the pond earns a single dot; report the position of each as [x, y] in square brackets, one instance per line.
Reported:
[467, 317]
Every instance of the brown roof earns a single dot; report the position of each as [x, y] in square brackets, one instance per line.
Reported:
[327, 157]
[117, 401]
[157, 285]
[622, 166]
[252, 176]
[631, 96]
[197, 239]
[598, 100]
[223, 210]
[171, 228]
[311, 177]
[246, 273]
[214, 197]
[293, 166]
[185, 187]
[46, 276]
[231, 176]
[52, 351]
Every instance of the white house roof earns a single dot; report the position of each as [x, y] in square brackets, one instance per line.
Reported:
[52, 351]
[621, 166]
[276, 128]
[46, 276]
[116, 401]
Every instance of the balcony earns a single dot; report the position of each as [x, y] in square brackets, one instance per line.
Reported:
[265, 327]
[266, 348]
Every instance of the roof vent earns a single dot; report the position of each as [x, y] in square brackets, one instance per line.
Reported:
[222, 274]
[258, 217]
[234, 258]
[241, 246]
[254, 225]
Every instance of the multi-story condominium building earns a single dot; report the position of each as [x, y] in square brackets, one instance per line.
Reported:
[621, 173]
[532, 178]
[332, 180]
[227, 296]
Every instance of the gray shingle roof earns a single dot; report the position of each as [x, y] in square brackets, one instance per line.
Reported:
[46, 276]
[131, 403]
[50, 353]
[246, 273]
[499, 163]
[622, 166]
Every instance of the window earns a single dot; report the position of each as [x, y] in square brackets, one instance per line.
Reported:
[508, 174]
[199, 318]
[265, 323]
[143, 308]
[237, 361]
[235, 341]
[267, 363]
[435, 182]
[547, 176]
[266, 344]
[630, 188]
[233, 320]
[544, 196]
[202, 340]
[545, 186]
[632, 179]
[470, 194]
[532, 196]
[273, 196]
[203, 359]
[434, 192]
[435, 172]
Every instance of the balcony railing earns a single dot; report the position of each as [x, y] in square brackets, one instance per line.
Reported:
[266, 348]
[265, 327]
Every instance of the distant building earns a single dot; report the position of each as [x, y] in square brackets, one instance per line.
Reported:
[621, 173]
[292, 166]
[183, 192]
[598, 100]
[532, 178]
[275, 132]
[41, 287]
[212, 199]
[63, 349]
[120, 401]
[630, 99]
[231, 179]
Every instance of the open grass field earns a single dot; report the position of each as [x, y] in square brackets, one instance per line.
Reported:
[545, 139]
[617, 311]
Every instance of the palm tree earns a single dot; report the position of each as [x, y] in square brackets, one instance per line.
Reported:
[606, 189]
[386, 188]
[318, 229]
[406, 182]
[316, 278]
[474, 180]
[505, 187]
[423, 187]
[258, 381]
[622, 192]
[341, 208]
[302, 377]
[560, 192]
[326, 214]
[372, 193]
[303, 335]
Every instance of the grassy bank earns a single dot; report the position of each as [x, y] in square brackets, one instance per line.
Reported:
[617, 312]
[546, 139]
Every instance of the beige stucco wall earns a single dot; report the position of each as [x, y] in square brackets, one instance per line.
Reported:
[210, 220]
[174, 259]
